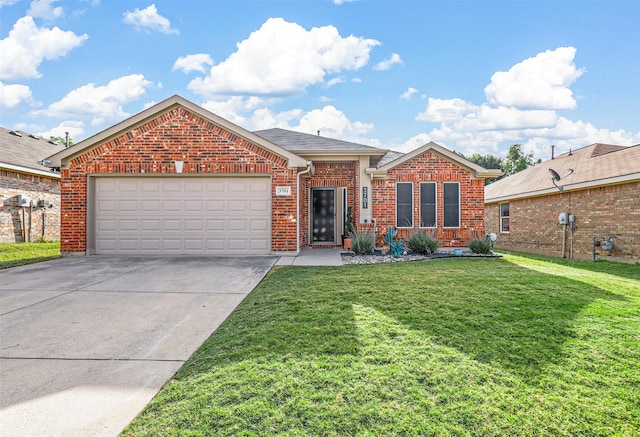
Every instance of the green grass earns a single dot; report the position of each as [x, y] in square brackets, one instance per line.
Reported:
[17, 254]
[512, 346]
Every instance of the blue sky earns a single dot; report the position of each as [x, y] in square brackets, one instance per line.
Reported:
[473, 76]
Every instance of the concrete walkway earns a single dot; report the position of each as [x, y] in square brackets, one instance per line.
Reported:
[330, 256]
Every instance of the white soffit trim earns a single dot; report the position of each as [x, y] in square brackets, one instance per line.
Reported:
[21, 169]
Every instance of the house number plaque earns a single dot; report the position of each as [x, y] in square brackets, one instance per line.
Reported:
[283, 191]
[365, 197]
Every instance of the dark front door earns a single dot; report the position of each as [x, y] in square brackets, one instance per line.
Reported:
[324, 215]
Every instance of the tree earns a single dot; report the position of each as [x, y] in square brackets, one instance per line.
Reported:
[487, 161]
[517, 160]
[62, 141]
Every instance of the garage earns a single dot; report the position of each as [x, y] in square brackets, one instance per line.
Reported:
[156, 215]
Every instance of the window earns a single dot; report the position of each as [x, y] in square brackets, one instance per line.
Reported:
[451, 204]
[428, 205]
[404, 205]
[504, 217]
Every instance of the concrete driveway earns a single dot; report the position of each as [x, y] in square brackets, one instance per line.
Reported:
[86, 342]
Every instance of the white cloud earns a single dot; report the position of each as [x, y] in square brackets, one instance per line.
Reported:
[283, 58]
[332, 122]
[440, 110]
[196, 62]
[408, 93]
[148, 19]
[341, 2]
[539, 82]
[335, 81]
[75, 129]
[522, 108]
[388, 63]
[44, 9]
[101, 103]
[7, 2]
[26, 46]
[14, 95]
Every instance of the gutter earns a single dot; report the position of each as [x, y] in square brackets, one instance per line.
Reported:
[27, 170]
[303, 172]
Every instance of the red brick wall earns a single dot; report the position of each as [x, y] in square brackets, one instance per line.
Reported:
[602, 211]
[153, 147]
[18, 224]
[429, 167]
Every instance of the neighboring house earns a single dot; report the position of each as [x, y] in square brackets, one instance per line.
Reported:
[24, 178]
[600, 189]
[178, 179]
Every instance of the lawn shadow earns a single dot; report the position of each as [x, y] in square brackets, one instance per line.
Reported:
[522, 323]
[519, 318]
[623, 270]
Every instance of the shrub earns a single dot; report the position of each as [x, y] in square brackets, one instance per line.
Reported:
[422, 242]
[480, 246]
[362, 242]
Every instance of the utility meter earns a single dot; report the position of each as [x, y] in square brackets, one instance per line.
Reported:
[563, 218]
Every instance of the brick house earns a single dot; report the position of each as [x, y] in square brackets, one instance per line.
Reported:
[600, 189]
[23, 177]
[178, 179]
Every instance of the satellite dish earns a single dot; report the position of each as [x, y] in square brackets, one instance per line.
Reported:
[554, 178]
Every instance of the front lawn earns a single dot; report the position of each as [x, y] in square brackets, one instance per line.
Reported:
[512, 346]
[17, 254]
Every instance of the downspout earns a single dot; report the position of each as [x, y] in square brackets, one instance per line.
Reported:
[306, 171]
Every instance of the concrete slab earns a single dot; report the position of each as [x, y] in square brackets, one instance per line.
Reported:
[323, 256]
[83, 354]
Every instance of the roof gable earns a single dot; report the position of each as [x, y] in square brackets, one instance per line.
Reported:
[476, 171]
[62, 158]
[594, 165]
[21, 151]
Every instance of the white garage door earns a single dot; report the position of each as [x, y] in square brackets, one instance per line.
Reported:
[177, 215]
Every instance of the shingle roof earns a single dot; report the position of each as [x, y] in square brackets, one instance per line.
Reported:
[390, 156]
[23, 151]
[298, 142]
[594, 165]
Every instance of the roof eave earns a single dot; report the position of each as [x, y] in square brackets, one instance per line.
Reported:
[28, 170]
[572, 187]
[326, 152]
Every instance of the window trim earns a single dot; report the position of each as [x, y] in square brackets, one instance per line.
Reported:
[397, 198]
[502, 217]
[435, 205]
[444, 205]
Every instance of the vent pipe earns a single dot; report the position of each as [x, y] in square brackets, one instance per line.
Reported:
[553, 148]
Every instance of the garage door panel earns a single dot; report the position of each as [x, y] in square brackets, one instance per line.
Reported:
[128, 225]
[194, 225]
[128, 205]
[171, 225]
[155, 215]
[107, 224]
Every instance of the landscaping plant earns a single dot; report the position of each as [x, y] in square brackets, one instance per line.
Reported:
[362, 242]
[422, 242]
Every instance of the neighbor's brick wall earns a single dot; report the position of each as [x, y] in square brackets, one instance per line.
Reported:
[601, 211]
[38, 222]
[330, 175]
[429, 167]
[153, 147]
